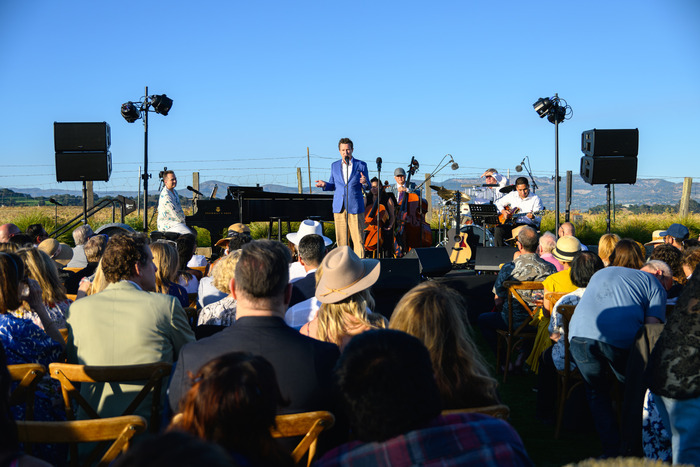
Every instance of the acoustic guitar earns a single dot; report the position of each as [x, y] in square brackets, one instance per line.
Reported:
[461, 251]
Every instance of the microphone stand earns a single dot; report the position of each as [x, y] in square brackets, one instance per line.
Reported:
[380, 189]
[347, 201]
[529, 172]
[437, 169]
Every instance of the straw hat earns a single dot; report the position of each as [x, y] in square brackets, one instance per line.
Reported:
[233, 231]
[345, 274]
[59, 252]
[306, 228]
[566, 249]
[656, 237]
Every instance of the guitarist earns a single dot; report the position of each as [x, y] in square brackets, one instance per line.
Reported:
[521, 202]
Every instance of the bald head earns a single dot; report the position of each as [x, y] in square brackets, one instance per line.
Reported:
[7, 231]
[567, 229]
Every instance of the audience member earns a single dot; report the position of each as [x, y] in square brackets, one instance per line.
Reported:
[617, 302]
[311, 250]
[125, 324]
[188, 278]
[233, 402]
[567, 229]
[526, 267]
[222, 312]
[303, 312]
[673, 375]
[436, 314]
[673, 258]
[10, 452]
[307, 227]
[42, 269]
[81, 235]
[166, 262]
[386, 381]
[675, 235]
[627, 254]
[690, 261]
[207, 292]
[7, 231]
[22, 240]
[548, 242]
[37, 233]
[606, 245]
[346, 301]
[584, 265]
[262, 290]
[656, 239]
[61, 254]
[238, 231]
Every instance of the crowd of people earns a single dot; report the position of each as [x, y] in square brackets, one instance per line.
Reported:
[278, 334]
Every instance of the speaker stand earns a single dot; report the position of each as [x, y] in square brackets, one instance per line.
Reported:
[85, 221]
[607, 187]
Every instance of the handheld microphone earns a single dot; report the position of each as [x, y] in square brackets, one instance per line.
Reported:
[53, 201]
[194, 191]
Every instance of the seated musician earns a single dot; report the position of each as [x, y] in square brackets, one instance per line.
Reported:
[171, 217]
[492, 193]
[387, 225]
[517, 208]
[401, 185]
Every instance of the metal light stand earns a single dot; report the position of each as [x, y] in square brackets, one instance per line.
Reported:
[556, 164]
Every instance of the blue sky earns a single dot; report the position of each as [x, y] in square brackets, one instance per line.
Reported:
[255, 83]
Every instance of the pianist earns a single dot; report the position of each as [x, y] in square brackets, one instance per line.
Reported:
[171, 217]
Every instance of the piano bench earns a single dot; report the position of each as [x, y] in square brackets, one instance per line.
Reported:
[279, 220]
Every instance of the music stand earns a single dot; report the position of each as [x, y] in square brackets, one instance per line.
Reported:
[484, 214]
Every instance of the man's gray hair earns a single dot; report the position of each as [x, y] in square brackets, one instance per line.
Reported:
[548, 242]
[82, 233]
[654, 265]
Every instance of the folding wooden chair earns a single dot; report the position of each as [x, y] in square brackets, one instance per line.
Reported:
[552, 298]
[152, 373]
[307, 424]
[499, 411]
[192, 299]
[117, 429]
[72, 297]
[514, 337]
[28, 375]
[568, 379]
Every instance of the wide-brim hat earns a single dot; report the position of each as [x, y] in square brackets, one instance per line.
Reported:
[676, 231]
[566, 249]
[233, 231]
[345, 274]
[59, 252]
[308, 227]
[656, 238]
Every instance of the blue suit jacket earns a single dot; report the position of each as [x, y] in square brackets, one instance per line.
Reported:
[356, 202]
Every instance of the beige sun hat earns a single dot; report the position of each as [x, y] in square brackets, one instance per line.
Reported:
[345, 274]
[308, 227]
[233, 231]
[59, 252]
[566, 249]
[656, 237]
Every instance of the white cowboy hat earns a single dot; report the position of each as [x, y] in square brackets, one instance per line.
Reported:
[306, 228]
[345, 274]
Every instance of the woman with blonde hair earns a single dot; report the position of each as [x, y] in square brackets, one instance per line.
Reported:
[222, 312]
[435, 314]
[346, 302]
[42, 269]
[606, 245]
[166, 260]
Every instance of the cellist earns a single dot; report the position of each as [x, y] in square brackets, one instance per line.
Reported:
[401, 185]
[387, 224]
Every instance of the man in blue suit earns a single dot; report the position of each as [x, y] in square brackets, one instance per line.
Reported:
[348, 177]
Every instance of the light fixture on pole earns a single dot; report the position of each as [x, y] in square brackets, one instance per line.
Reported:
[132, 111]
[556, 110]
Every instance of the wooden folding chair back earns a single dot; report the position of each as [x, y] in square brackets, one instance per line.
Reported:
[192, 316]
[192, 299]
[120, 430]
[152, 373]
[499, 411]
[568, 380]
[72, 297]
[512, 336]
[73, 269]
[307, 424]
[28, 375]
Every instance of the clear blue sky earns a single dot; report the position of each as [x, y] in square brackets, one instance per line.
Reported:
[255, 83]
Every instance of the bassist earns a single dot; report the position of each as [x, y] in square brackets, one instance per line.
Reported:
[517, 208]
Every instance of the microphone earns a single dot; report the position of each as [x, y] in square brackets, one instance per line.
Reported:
[519, 167]
[194, 191]
[379, 164]
[455, 166]
[53, 201]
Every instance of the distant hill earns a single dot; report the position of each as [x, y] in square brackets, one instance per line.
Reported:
[584, 196]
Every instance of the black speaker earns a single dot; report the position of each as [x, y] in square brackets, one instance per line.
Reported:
[604, 170]
[434, 262]
[490, 258]
[396, 277]
[83, 166]
[87, 136]
[615, 143]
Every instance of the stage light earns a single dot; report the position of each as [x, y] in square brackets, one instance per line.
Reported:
[542, 106]
[161, 104]
[130, 112]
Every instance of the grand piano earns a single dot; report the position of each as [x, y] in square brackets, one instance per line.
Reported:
[246, 204]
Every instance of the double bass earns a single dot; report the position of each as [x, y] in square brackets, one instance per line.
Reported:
[412, 231]
[376, 215]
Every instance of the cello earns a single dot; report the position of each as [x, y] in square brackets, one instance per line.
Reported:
[375, 216]
[413, 231]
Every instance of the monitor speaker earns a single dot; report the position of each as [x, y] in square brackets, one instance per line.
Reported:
[88, 136]
[610, 143]
[83, 166]
[434, 262]
[609, 170]
[491, 258]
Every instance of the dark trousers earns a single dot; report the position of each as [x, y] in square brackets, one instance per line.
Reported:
[501, 233]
